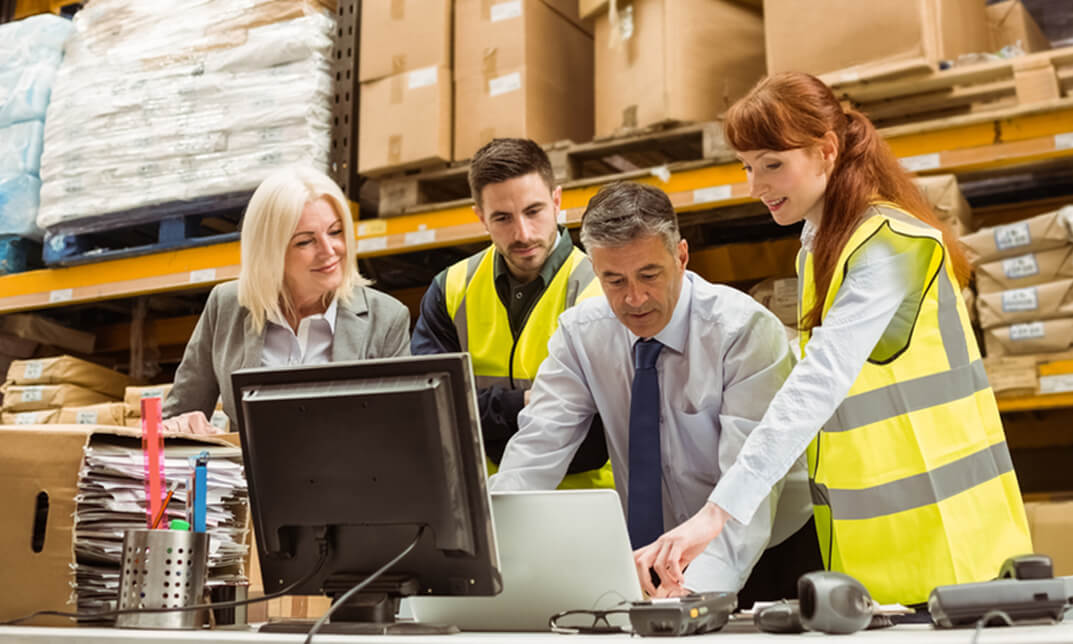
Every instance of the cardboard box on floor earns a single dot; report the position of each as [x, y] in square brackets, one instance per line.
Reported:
[674, 60]
[39, 469]
[405, 121]
[863, 38]
[403, 35]
[521, 70]
[1010, 23]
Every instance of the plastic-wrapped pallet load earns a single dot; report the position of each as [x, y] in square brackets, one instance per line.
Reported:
[30, 53]
[154, 105]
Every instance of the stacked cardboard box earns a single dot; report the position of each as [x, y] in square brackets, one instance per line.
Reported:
[63, 389]
[405, 75]
[1011, 25]
[1050, 522]
[675, 60]
[861, 38]
[1024, 280]
[132, 401]
[522, 68]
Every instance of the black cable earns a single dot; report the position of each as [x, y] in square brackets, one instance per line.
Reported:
[362, 584]
[323, 543]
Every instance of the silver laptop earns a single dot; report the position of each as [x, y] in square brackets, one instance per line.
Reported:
[561, 550]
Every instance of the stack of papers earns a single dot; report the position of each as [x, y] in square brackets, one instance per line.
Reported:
[112, 499]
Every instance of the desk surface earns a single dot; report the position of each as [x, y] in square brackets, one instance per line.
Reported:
[918, 634]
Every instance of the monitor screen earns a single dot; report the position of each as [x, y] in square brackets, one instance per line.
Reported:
[362, 454]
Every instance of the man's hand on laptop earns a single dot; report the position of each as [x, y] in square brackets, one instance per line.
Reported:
[669, 555]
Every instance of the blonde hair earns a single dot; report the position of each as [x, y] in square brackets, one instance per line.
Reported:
[271, 218]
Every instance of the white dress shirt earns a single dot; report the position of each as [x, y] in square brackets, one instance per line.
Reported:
[723, 359]
[878, 284]
[311, 345]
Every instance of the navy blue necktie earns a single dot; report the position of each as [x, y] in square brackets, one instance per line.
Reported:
[645, 512]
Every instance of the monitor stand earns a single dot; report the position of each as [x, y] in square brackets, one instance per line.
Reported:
[367, 613]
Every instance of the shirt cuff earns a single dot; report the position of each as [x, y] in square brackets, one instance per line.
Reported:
[709, 573]
[740, 492]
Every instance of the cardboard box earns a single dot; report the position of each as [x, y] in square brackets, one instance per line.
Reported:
[36, 461]
[1050, 523]
[849, 35]
[111, 414]
[1025, 270]
[592, 8]
[1009, 23]
[41, 417]
[1029, 375]
[400, 36]
[1035, 81]
[1046, 336]
[45, 331]
[512, 81]
[682, 60]
[35, 397]
[1042, 302]
[944, 195]
[132, 397]
[1042, 232]
[778, 296]
[405, 121]
[70, 370]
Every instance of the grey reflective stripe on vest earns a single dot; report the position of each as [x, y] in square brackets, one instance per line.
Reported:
[484, 382]
[459, 320]
[927, 488]
[582, 275]
[953, 334]
[908, 396]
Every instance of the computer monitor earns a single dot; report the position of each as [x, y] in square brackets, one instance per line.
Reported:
[361, 454]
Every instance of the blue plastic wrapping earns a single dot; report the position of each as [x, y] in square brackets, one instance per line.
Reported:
[19, 199]
[20, 147]
[30, 53]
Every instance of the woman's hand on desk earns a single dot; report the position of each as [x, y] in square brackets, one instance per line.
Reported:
[192, 422]
[672, 552]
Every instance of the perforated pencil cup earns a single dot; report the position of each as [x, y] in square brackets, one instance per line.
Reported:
[163, 568]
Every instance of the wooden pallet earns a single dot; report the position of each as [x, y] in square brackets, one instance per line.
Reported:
[148, 229]
[627, 154]
[914, 91]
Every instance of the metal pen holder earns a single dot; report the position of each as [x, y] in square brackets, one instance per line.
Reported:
[163, 569]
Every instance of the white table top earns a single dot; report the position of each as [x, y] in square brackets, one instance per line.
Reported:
[918, 634]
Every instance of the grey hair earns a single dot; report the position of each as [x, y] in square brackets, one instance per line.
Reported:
[623, 212]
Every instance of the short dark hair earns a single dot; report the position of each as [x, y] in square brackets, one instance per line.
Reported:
[500, 160]
[623, 212]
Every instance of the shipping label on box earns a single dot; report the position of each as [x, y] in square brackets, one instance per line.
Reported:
[1031, 269]
[1042, 232]
[1041, 302]
[1048, 336]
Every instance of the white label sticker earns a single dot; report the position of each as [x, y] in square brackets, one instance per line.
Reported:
[506, 10]
[34, 369]
[921, 162]
[86, 417]
[202, 275]
[1063, 141]
[1012, 236]
[60, 295]
[219, 420]
[1028, 331]
[372, 227]
[153, 393]
[1020, 299]
[561, 217]
[1056, 384]
[1018, 267]
[32, 394]
[26, 418]
[420, 237]
[370, 244]
[712, 193]
[850, 77]
[505, 84]
[422, 77]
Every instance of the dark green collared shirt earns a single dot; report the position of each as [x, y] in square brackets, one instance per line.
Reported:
[519, 298]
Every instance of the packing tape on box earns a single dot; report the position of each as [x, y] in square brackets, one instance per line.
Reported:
[397, 88]
[398, 63]
[629, 116]
[490, 64]
[394, 148]
[398, 9]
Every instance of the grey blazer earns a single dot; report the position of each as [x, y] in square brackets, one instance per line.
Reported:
[374, 325]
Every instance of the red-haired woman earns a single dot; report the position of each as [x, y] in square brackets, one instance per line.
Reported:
[911, 478]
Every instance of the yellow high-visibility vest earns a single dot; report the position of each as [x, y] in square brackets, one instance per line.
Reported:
[500, 359]
[912, 482]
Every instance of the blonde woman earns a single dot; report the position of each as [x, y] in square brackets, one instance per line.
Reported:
[299, 299]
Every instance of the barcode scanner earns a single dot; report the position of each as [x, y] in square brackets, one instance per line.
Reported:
[832, 602]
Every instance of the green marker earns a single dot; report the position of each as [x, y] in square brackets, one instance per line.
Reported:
[179, 524]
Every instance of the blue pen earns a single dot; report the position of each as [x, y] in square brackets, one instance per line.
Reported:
[200, 491]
